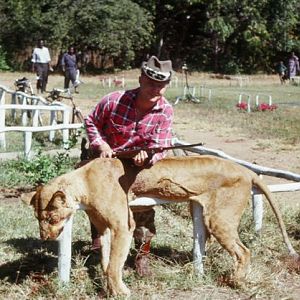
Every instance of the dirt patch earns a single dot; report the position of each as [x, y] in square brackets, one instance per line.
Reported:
[13, 194]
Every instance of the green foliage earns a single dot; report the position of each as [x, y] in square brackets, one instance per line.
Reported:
[35, 171]
[123, 32]
[205, 34]
[3, 64]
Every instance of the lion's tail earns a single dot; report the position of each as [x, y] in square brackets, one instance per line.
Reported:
[264, 188]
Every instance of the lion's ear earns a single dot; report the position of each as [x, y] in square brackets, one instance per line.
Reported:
[28, 198]
[58, 200]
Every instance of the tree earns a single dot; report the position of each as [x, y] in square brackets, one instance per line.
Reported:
[116, 32]
[101, 25]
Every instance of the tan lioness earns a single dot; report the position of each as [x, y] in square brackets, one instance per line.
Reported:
[105, 186]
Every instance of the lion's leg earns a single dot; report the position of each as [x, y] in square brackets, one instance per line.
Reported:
[105, 242]
[227, 236]
[225, 214]
[120, 244]
[121, 230]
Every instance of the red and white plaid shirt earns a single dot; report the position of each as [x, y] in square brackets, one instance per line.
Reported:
[114, 121]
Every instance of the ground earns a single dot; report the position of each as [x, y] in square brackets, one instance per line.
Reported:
[189, 128]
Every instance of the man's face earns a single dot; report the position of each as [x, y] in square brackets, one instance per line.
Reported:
[152, 89]
[40, 43]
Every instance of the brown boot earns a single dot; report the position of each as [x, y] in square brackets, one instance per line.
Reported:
[142, 238]
[142, 260]
[96, 244]
[95, 238]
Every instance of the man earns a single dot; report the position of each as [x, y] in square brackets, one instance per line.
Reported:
[131, 119]
[281, 70]
[69, 67]
[41, 65]
[293, 66]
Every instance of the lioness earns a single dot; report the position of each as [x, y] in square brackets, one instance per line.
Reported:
[105, 186]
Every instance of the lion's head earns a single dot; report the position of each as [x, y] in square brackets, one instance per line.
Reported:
[51, 209]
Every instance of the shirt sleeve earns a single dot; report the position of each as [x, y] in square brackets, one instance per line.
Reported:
[164, 137]
[33, 59]
[95, 121]
[62, 62]
[48, 59]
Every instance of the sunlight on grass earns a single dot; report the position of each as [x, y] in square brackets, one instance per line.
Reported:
[29, 266]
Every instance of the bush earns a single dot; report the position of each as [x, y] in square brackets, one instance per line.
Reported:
[3, 64]
[38, 170]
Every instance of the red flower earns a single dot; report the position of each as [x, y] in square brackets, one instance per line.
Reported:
[260, 107]
[242, 106]
[266, 106]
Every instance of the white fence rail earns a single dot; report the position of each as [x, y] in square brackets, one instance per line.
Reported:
[34, 106]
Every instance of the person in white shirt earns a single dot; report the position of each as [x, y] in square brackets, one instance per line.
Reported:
[41, 65]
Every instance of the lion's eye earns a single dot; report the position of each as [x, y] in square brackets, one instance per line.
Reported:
[53, 220]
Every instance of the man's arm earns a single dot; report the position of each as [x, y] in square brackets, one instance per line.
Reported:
[94, 123]
[33, 60]
[48, 59]
[62, 63]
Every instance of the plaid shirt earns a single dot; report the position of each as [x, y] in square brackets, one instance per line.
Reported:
[114, 121]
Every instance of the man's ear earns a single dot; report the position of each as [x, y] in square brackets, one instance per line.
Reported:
[58, 200]
[28, 198]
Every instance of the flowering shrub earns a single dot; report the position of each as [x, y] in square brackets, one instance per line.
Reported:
[266, 106]
[242, 106]
[261, 107]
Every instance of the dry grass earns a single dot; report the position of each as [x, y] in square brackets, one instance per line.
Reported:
[29, 266]
[219, 115]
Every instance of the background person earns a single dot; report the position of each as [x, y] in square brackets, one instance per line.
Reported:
[281, 69]
[125, 120]
[41, 65]
[293, 66]
[69, 67]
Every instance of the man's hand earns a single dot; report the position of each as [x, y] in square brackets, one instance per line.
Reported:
[140, 159]
[105, 151]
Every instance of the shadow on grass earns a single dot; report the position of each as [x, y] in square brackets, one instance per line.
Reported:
[40, 257]
[169, 255]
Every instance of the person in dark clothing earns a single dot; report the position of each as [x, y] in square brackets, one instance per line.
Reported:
[69, 67]
[281, 70]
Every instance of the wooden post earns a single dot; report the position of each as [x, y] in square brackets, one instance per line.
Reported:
[2, 127]
[2, 119]
[258, 209]
[24, 112]
[65, 251]
[13, 101]
[199, 233]
[27, 143]
[209, 94]
[52, 122]
[35, 118]
[66, 121]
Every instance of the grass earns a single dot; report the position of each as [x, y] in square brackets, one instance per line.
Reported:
[28, 266]
[282, 124]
